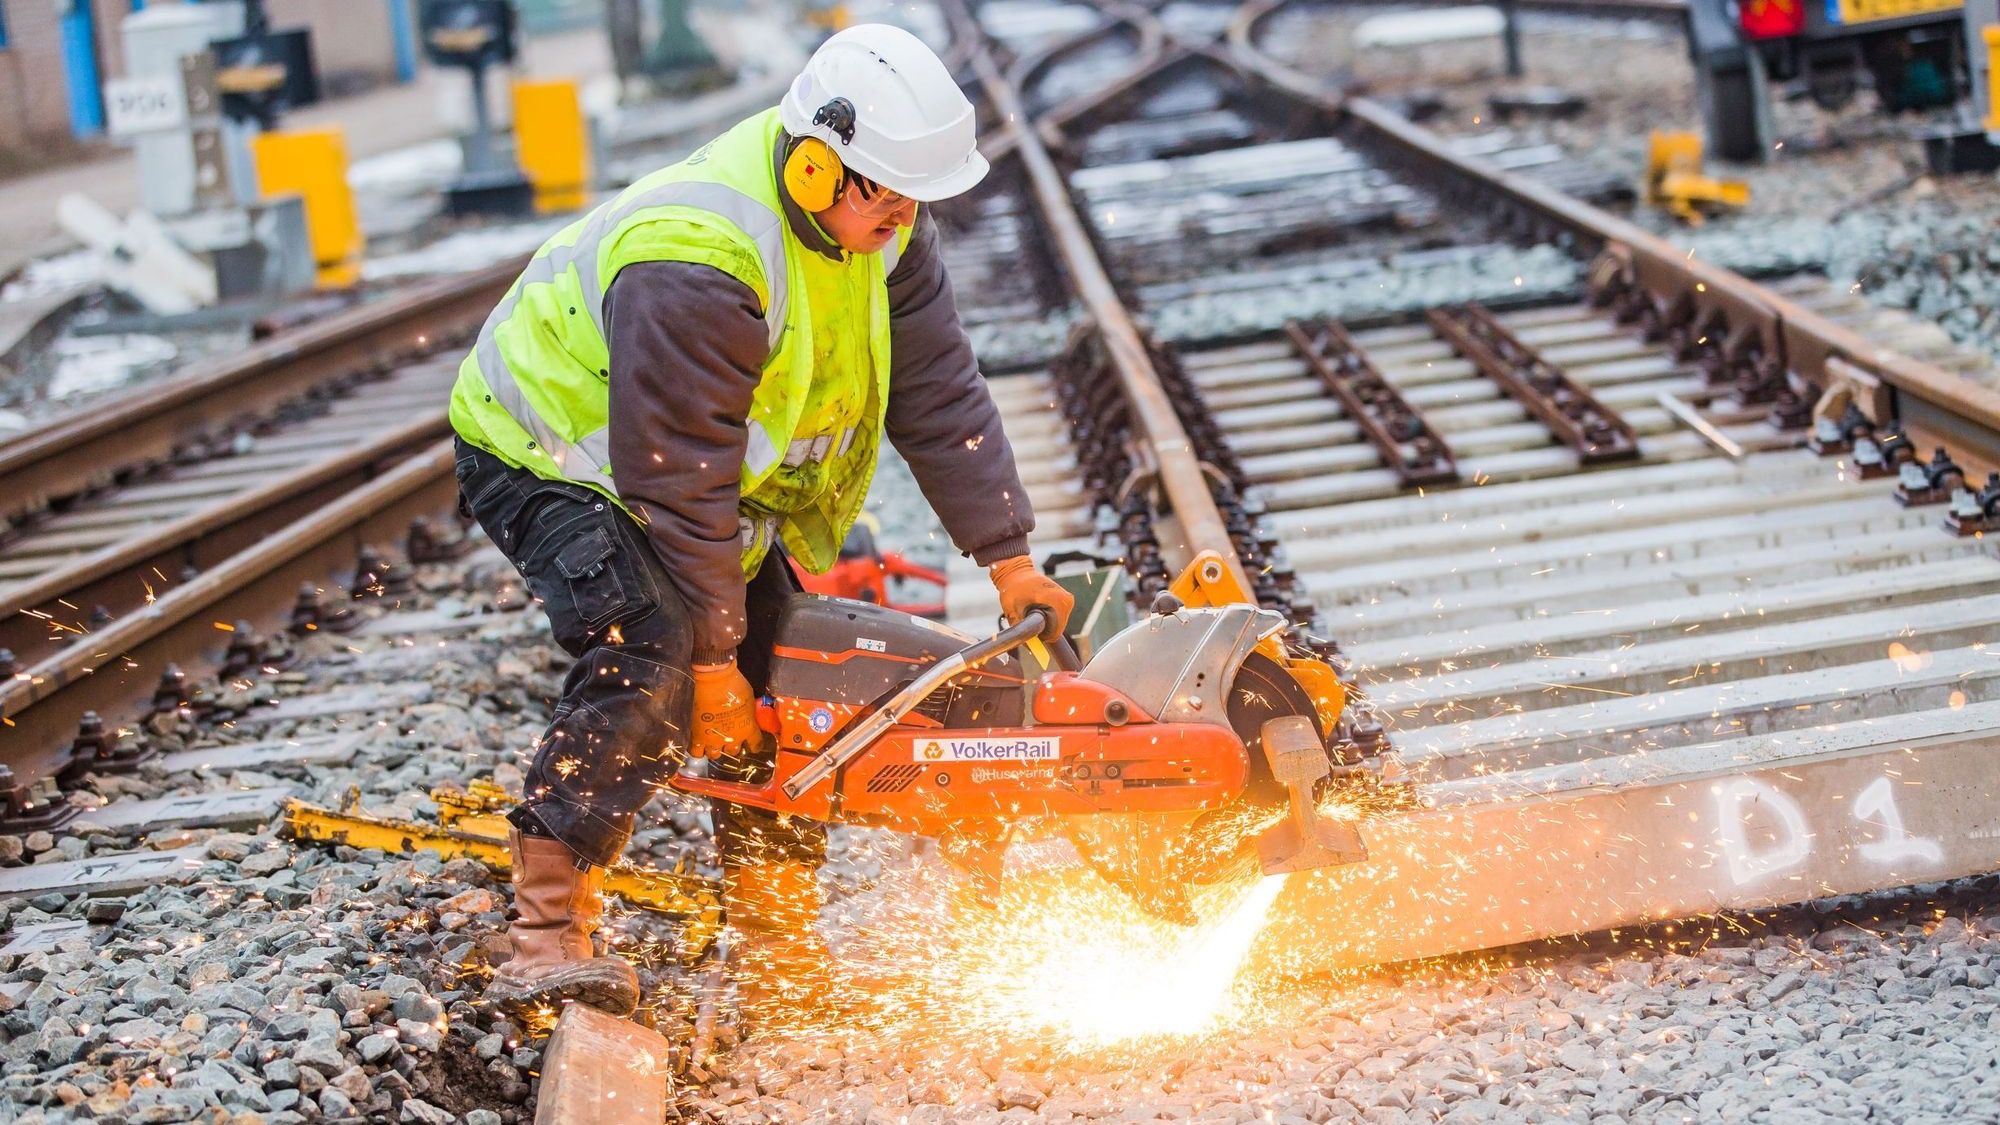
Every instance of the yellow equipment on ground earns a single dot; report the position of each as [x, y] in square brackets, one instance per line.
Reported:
[552, 143]
[472, 823]
[312, 164]
[1674, 179]
[1990, 36]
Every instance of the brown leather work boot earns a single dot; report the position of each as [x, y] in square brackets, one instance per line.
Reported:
[556, 909]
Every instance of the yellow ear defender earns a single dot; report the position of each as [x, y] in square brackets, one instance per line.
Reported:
[813, 172]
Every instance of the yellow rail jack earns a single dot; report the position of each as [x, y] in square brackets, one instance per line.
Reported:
[471, 823]
[1674, 180]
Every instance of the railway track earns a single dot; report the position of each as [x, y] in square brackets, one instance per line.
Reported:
[1644, 655]
[106, 512]
[1592, 626]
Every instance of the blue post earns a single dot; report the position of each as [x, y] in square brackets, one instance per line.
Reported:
[403, 28]
[79, 48]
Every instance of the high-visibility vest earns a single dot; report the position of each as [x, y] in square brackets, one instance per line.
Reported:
[535, 390]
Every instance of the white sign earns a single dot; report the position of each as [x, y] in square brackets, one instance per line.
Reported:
[1022, 749]
[144, 105]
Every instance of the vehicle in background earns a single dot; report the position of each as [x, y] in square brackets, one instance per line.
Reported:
[1912, 50]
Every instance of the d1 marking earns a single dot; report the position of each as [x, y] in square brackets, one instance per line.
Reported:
[1765, 831]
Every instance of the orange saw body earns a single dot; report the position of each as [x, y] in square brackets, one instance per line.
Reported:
[882, 718]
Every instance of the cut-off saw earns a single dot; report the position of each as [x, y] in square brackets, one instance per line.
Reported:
[1205, 740]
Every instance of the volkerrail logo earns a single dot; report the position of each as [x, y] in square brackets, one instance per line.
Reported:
[1024, 749]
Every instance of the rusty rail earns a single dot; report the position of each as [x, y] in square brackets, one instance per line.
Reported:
[113, 670]
[1151, 56]
[1597, 432]
[1407, 443]
[123, 575]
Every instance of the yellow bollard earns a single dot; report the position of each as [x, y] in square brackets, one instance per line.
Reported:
[1991, 35]
[312, 163]
[551, 143]
[830, 18]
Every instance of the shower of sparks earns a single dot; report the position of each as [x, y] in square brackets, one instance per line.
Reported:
[1057, 962]
[1091, 969]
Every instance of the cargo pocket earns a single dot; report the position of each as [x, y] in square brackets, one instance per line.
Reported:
[600, 588]
[461, 469]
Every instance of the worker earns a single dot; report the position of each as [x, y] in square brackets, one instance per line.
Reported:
[684, 387]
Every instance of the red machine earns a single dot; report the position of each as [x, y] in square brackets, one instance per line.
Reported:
[863, 574]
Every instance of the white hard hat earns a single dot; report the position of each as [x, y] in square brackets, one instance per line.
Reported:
[912, 129]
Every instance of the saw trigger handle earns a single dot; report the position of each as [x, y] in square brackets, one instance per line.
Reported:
[1064, 652]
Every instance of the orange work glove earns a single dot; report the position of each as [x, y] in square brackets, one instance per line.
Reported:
[725, 711]
[1023, 588]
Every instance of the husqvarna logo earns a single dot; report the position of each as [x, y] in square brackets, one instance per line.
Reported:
[1023, 749]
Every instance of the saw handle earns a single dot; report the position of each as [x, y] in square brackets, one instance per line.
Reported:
[1065, 654]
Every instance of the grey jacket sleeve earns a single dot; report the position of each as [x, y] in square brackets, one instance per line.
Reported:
[941, 418]
[687, 349]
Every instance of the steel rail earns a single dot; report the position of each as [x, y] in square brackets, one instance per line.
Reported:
[121, 576]
[94, 447]
[114, 669]
[1151, 55]
[1750, 325]
[1181, 475]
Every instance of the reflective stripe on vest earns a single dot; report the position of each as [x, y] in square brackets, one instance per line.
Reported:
[587, 459]
[761, 456]
[757, 534]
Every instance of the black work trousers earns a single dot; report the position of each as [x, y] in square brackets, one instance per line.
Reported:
[620, 730]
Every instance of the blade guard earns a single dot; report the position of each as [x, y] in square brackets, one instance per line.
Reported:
[1306, 838]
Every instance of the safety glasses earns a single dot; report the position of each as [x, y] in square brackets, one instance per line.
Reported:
[871, 200]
